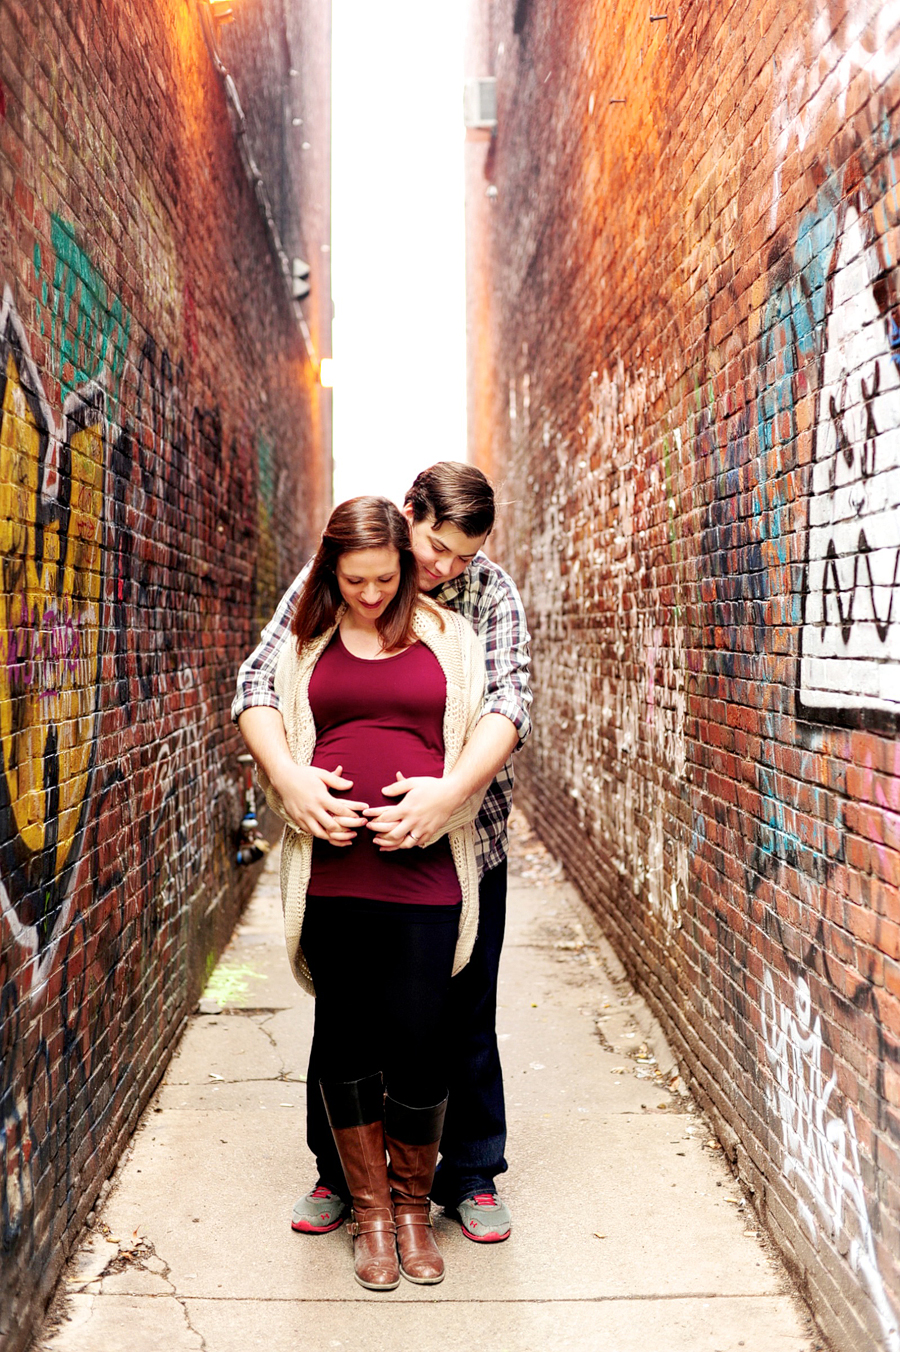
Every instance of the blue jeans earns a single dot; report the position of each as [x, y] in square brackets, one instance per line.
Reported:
[474, 1138]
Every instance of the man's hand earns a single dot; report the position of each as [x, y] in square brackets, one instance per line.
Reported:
[427, 807]
[304, 790]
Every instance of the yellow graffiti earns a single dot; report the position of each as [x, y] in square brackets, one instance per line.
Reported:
[49, 622]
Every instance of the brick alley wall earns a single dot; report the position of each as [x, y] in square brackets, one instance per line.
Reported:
[164, 465]
[684, 317]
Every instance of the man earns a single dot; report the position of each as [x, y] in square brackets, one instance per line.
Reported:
[450, 508]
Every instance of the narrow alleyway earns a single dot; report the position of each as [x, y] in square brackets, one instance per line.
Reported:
[645, 1243]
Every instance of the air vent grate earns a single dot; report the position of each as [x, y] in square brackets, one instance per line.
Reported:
[480, 103]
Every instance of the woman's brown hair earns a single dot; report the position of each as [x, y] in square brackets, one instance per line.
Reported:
[359, 523]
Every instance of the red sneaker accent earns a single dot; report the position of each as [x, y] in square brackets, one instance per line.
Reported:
[304, 1227]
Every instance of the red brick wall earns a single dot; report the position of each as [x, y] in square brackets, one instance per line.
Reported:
[164, 465]
[692, 332]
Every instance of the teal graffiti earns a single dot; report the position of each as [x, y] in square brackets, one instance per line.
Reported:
[265, 452]
[793, 323]
[775, 839]
[792, 327]
[88, 326]
[37, 260]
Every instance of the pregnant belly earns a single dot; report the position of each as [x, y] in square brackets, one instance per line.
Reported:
[374, 760]
[361, 869]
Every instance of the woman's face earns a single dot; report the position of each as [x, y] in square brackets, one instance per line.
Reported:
[368, 580]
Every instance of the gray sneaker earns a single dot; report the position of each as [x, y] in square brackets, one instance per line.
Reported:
[484, 1218]
[319, 1212]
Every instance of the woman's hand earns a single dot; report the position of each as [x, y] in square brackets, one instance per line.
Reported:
[304, 790]
[426, 808]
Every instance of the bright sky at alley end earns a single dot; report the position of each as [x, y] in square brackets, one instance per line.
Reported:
[397, 242]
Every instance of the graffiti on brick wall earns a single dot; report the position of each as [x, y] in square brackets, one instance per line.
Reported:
[744, 567]
[69, 540]
[824, 361]
[786, 393]
[860, 44]
[625, 764]
[850, 657]
[646, 698]
[84, 322]
[52, 492]
[122, 511]
[820, 1150]
[837, 305]
[268, 564]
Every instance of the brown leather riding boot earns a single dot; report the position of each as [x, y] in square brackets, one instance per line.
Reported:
[413, 1138]
[356, 1114]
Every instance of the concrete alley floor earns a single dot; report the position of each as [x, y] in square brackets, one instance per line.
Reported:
[629, 1234]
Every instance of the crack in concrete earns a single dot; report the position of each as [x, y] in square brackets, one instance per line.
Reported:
[167, 1268]
[493, 1300]
[182, 1301]
[263, 1029]
[172, 1293]
[282, 1078]
[245, 1012]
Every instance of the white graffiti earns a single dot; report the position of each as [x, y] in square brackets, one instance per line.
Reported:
[821, 1151]
[865, 40]
[664, 901]
[587, 530]
[850, 655]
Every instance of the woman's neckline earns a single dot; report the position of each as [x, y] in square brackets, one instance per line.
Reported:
[388, 657]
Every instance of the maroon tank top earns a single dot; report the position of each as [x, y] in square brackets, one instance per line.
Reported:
[375, 718]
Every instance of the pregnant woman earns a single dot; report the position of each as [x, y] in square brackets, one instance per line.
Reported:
[379, 684]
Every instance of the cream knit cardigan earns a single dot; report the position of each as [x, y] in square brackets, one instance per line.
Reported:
[462, 661]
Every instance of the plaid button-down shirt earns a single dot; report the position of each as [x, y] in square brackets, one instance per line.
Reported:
[488, 598]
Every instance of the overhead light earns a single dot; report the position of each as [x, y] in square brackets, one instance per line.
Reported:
[221, 11]
[326, 373]
[299, 279]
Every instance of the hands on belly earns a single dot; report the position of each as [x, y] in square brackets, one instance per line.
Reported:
[426, 808]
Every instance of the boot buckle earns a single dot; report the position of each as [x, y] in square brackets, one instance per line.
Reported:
[415, 1218]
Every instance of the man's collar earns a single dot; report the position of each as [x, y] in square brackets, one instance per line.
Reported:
[450, 590]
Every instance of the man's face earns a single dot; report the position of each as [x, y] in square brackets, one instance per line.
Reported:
[442, 552]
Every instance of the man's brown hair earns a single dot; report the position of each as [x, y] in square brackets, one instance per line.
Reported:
[450, 491]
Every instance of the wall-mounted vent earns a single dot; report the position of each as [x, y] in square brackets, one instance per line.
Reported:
[480, 103]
